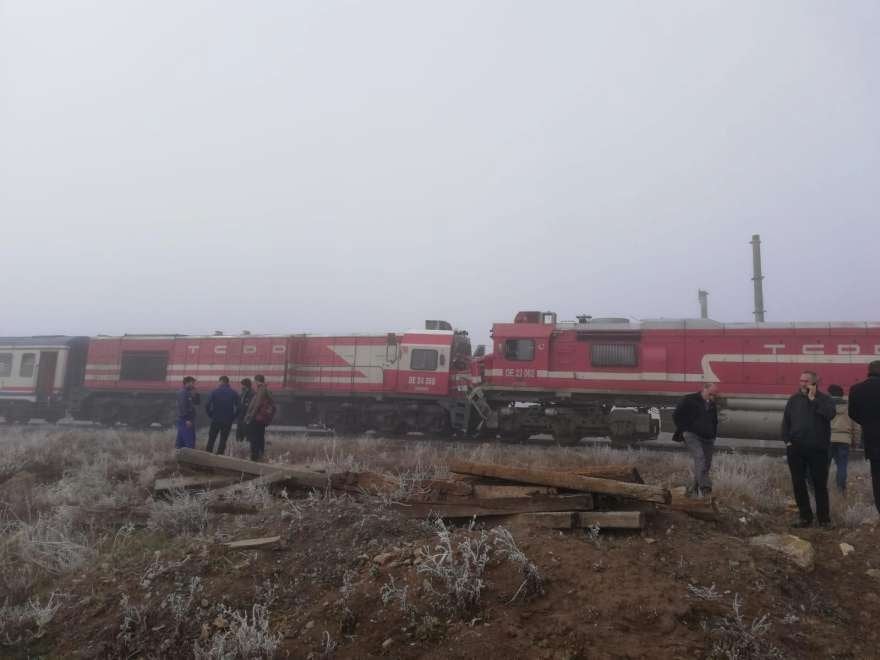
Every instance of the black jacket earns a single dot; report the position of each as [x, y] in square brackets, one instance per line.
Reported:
[222, 406]
[807, 424]
[694, 415]
[864, 409]
[247, 394]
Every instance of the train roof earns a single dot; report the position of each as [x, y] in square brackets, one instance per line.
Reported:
[39, 340]
[710, 324]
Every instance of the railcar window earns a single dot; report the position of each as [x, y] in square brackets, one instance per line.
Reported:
[5, 365]
[26, 370]
[423, 359]
[519, 349]
[614, 355]
[144, 365]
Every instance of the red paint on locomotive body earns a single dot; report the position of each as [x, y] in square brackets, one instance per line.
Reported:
[668, 358]
[413, 363]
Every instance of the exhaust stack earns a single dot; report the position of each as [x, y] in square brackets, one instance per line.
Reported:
[704, 303]
[757, 278]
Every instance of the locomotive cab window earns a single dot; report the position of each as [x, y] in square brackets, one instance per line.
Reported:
[144, 365]
[5, 365]
[522, 350]
[26, 370]
[614, 355]
[423, 359]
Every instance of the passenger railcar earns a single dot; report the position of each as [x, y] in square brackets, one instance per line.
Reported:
[37, 375]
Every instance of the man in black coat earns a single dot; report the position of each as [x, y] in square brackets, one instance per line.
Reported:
[222, 408]
[806, 430]
[864, 409]
[247, 394]
[696, 423]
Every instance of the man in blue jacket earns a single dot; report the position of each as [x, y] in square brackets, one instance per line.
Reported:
[187, 399]
[222, 408]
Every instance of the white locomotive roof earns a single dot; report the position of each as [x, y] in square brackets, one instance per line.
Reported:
[710, 324]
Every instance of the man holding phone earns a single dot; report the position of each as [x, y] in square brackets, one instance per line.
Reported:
[806, 430]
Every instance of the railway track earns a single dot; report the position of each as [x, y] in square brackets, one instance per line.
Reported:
[744, 446]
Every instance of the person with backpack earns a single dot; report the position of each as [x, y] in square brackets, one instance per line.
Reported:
[260, 413]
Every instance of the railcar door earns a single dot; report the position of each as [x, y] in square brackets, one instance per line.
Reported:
[46, 375]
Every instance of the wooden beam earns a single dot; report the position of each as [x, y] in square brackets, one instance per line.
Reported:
[496, 506]
[197, 481]
[297, 476]
[611, 519]
[264, 481]
[700, 509]
[583, 519]
[253, 544]
[567, 480]
[617, 472]
[558, 520]
[488, 491]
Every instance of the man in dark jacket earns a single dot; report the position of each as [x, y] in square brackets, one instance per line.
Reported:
[806, 430]
[187, 398]
[696, 421]
[245, 398]
[222, 408]
[864, 409]
[255, 417]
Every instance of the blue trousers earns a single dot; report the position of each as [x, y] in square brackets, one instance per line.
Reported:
[840, 454]
[186, 435]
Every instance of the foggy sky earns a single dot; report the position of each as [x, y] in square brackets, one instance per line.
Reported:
[361, 166]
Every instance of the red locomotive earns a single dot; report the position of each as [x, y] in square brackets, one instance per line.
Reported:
[393, 383]
[602, 376]
[595, 376]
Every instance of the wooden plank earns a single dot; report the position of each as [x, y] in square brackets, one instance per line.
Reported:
[700, 509]
[297, 476]
[197, 481]
[496, 507]
[488, 491]
[264, 481]
[203, 459]
[617, 472]
[253, 544]
[611, 519]
[549, 520]
[567, 480]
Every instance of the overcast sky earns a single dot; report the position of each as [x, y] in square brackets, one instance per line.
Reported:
[332, 166]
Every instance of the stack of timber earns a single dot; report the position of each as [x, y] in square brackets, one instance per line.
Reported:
[553, 499]
[609, 496]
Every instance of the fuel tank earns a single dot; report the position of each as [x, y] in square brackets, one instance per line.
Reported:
[756, 419]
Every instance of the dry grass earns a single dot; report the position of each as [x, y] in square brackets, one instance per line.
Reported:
[52, 480]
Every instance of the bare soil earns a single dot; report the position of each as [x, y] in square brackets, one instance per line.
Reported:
[664, 592]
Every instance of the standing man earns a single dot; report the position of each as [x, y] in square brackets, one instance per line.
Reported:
[259, 415]
[843, 433]
[696, 419]
[187, 399]
[245, 398]
[806, 430]
[864, 409]
[222, 408]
